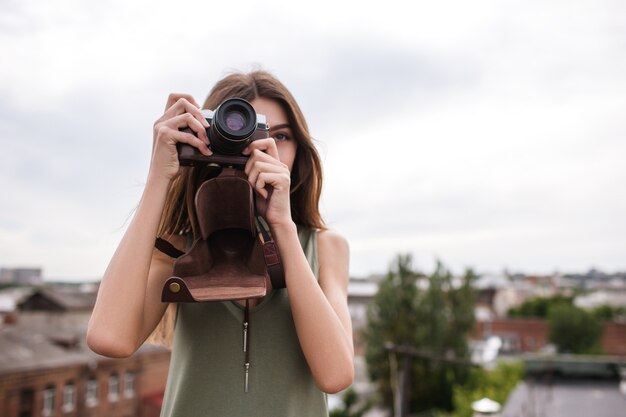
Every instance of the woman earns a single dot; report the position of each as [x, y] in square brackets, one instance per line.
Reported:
[301, 337]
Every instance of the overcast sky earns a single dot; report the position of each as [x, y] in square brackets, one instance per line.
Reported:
[487, 134]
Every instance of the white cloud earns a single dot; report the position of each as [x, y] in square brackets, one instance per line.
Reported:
[486, 133]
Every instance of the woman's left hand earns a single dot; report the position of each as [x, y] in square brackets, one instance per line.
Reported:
[271, 180]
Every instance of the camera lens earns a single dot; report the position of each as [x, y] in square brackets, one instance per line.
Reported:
[234, 123]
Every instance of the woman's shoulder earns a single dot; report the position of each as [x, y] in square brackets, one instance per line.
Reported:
[331, 239]
[333, 255]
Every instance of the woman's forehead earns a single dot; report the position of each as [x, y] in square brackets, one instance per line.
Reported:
[272, 110]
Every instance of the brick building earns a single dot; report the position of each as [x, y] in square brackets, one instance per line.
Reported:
[46, 368]
[529, 335]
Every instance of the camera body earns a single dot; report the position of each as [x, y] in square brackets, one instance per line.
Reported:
[232, 126]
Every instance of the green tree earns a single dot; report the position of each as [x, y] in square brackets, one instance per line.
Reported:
[539, 306]
[608, 313]
[393, 316]
[351, 407]
[496, 385]
[426, 313]
[574, 330]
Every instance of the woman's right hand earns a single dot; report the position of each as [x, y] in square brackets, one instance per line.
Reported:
[181, 111]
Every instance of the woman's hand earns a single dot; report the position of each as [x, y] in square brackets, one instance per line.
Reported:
[271, 180]
[181, 111]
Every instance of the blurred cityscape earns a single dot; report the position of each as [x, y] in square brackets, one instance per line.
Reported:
[47, 370]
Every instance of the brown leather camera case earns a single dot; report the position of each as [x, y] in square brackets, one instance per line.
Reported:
[227, 262]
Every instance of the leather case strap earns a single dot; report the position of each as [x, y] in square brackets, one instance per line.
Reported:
[167, 248]
[271, 254]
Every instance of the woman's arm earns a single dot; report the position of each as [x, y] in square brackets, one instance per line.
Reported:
[320, 310]
[128, 306]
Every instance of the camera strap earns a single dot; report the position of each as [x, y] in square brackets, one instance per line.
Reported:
[271, 254]
[246, 344]
[167, 248]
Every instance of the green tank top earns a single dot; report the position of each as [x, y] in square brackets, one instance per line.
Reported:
[207, 373]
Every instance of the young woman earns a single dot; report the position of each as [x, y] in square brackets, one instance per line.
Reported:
[301, 337]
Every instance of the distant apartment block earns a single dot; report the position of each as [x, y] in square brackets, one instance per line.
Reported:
[524, 335]
[47, 370]
[20, 276]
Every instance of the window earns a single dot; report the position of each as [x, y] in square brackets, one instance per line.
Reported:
[129, 384]
[27, 397]
[114, 387]
[91, 396]
[69, 397]
[48, 401]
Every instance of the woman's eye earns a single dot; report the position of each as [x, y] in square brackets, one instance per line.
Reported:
[280, 137]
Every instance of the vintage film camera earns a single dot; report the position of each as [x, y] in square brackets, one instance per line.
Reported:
[232, 126]
[234, 255]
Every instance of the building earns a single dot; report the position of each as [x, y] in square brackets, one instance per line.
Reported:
[602, 297]
[22, 276]
[46, 368]
[521, 335]
[360, 293]
[560, 397]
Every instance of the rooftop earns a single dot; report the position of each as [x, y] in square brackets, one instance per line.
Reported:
[566, 398]
[39, 341]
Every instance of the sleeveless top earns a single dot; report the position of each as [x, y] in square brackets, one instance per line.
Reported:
[207, 372]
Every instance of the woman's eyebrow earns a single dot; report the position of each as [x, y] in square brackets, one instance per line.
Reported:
[281, 126]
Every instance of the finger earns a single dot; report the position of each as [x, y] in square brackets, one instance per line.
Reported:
[258, 155]
[172, 135]
[260, 162]
[192, 140]
[259, 167]
[187, 120]
[183, 121]
[271, 179]
[259, 186]
[174, 97]
[184, 106]
[265, 145]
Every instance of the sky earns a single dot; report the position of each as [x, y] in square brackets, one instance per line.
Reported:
[486, 134]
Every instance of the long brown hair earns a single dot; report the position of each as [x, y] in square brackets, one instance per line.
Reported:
[306, 175]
